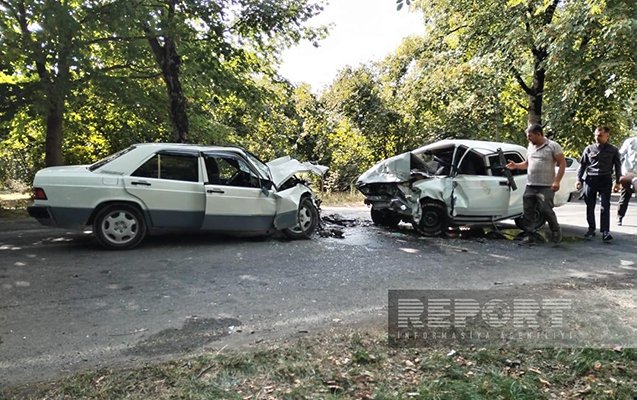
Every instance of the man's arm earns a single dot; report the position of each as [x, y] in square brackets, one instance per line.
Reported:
[583, 165]
[561, 167]
[513, 165]
[617, 162]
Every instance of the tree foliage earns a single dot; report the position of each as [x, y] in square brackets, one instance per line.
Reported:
[83, 78]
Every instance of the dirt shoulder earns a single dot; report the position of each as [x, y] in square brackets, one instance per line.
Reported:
[345, 363]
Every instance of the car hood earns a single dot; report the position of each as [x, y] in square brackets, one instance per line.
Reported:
[283, 168]
[394, 169]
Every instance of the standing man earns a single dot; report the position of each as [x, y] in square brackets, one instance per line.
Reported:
[628, 154]
[542, 182]
[598, 161]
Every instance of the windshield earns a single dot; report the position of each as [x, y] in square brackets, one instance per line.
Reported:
[434, 162]
[263, 169]
[108, 159]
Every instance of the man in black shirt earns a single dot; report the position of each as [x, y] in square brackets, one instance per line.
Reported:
[598, 161]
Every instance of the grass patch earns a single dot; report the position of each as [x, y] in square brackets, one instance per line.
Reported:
[341, 199]
[14, 205]
[361, 365]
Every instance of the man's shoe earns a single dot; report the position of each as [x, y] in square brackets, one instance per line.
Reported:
[527, 241]
[619, 221]
[606, 236]
[589, 233]
[556, 236]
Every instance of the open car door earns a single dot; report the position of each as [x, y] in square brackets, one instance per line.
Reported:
[235, 200]
[476, 192]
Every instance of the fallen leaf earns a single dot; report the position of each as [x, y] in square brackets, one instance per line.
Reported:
[545, 382]
[586, 390]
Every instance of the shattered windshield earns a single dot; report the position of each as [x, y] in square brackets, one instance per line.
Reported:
[433, 162]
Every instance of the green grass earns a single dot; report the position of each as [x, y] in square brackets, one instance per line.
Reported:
[341, 199]
[360, 365]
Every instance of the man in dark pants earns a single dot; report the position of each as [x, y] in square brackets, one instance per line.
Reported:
[542, 181]
[598, 161]
[628, 154]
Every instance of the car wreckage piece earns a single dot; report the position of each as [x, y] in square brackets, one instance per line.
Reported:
[452, 183]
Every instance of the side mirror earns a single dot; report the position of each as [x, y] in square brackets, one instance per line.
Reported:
[266, 185]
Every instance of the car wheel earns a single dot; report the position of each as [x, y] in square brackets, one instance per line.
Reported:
[539, 219]
[308, 221]
[433, 221]
[385, 218]
[119, 226]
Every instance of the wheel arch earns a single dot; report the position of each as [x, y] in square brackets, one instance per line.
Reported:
[107, 203]
[428, 200]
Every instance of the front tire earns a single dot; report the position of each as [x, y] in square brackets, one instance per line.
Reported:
[434, 220]
[308, 217]
[119, 226]
[385, 218]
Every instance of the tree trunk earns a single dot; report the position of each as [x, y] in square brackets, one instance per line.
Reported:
[53, 144]
[536, 96]
[169, 62]
[540, 53]
[178, 113]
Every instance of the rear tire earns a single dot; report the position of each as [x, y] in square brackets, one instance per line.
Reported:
[433, 220]
[308, 217]
[385, 218]
[119, 226]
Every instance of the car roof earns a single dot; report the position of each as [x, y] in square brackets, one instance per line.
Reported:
[185, 146]
[480, 146]
[130, 160]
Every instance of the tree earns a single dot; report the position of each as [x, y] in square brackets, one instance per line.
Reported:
[551, 49]
[56, 49]
[40, 40]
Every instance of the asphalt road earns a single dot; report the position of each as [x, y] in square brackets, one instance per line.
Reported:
[66, 305]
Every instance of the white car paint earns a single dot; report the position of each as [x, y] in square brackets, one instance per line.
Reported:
[255, 197]
[483, 195]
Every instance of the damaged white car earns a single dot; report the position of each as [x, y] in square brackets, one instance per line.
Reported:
[453, 183]
[175, 186]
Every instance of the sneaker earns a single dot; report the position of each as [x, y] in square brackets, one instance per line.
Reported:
[589, 233]
[606, 236]
[619, 221]
[556, 236]
[527, 241]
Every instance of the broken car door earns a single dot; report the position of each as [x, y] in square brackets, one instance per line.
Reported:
[235, 200]
[476, 193]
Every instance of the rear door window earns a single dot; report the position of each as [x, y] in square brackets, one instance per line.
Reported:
[170, 166]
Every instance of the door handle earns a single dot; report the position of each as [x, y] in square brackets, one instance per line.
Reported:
[214, 191]
[143, 183]
[503, 183]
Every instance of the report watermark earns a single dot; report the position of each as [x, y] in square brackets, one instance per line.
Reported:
[528, 318]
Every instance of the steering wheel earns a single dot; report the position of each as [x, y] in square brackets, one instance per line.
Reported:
[238, 179]
[442, 161]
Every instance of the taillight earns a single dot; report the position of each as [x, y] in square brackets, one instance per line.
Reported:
[38, 194]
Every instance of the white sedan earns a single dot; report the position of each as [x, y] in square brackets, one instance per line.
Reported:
[175, 186]
[451, 183]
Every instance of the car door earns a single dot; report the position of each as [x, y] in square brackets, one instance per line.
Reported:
[235, 200]
[170, 187]
[476, 193]
[519, 177]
